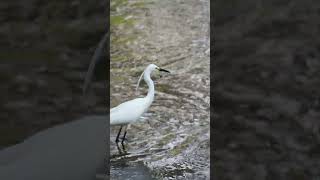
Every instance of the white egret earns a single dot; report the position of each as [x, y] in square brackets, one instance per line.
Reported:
[130, 111]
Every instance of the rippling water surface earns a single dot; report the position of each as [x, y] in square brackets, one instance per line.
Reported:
[172, 34]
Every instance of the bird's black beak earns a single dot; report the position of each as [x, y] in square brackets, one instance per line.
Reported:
[160, 69]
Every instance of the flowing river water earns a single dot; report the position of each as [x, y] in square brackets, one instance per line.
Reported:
[173, 34]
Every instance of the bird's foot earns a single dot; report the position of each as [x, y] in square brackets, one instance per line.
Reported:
[124, 139]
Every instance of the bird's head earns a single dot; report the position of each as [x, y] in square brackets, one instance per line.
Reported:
[148, 70]
[153, 67]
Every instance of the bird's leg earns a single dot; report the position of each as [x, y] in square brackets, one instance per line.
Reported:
[124, 135]
[117, 139]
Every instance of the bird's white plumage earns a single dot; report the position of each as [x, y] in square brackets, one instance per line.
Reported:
[118, 117]
[131, 111]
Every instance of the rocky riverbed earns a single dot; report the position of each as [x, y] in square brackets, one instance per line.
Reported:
[173, 35]
[45, 52]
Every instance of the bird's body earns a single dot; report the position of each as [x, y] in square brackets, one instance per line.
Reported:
[117, 117]
[131, 111]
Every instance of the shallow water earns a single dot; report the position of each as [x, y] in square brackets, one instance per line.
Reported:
[174, 35]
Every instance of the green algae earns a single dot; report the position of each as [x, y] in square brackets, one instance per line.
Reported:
[181, 147]
[164, 88]
[124, 39]
[116, 20]
[166, 139]
[141, 4]
[114, 4]
[119, 58]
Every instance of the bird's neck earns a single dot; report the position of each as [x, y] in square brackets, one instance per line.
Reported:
[150, 84]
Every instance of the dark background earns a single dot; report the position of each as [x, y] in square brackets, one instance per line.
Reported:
[265, 80]
[45, 50]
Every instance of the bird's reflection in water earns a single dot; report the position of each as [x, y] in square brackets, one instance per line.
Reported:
[122, 150]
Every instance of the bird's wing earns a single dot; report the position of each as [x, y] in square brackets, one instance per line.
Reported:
[127, 111]
[113, 109]
[129, 104]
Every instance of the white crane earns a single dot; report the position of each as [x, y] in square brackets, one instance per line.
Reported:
[130, 111]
